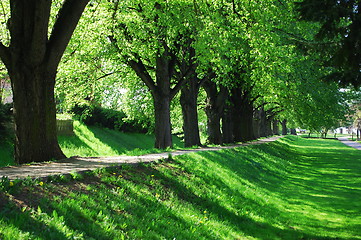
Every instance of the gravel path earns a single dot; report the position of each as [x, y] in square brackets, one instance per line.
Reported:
[79, 164]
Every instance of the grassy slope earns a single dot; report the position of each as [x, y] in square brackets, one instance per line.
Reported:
[95, 141]
[291, 189]
[6, 154]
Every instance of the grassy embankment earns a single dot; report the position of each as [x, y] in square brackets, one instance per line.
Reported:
[291, 189]
[95, 141]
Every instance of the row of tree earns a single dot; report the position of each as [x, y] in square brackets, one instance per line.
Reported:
[254, 63]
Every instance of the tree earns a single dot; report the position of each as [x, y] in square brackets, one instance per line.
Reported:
[188, 100]
[88, 73]
[32, 58]
[216, 99]
[339, 35]
[148, 37]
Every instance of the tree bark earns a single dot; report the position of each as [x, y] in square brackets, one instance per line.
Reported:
[284, 127]
[189, 97]
[163, 136]
[188, 100]
[35, 115]
[228, 124]
[265, 129]
[32, 60]
[214, 110]
[246, 124]
[275, 127]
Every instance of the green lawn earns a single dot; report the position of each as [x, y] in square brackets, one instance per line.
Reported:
[95, 141]
[92, 141]
[291, 189]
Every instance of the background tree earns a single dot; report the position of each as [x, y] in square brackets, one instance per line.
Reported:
[149, 37]
[339, 36]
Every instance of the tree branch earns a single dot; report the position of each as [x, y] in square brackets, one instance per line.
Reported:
[68, 18]
[177, 87]
[107, 74]
[39, 31]
[142, 73]
[211, 74]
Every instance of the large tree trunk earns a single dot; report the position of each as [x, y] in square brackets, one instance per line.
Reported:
[214, 110]
[162, 97]
[163, 136]
[227, 124]
[32, 59]
[35, 115]
[246, 124]
[188, 100]
[213, 126]
[243, 128]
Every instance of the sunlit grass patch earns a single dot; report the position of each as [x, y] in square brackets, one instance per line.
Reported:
[92, 141]
[280, 190]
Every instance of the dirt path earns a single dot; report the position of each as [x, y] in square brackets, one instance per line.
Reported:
[78, 164]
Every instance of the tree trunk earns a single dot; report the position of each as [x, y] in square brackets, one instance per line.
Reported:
[275, 127]
[214, 110]
[163, 136]
[227, 125]
[269, 131]
[213, 126]
[162, 97]
[265, 124]
[32, 59]
[246, 122]
[262, 123]
[188, 100]
[35, 115]
[293, 131]
[284, 127]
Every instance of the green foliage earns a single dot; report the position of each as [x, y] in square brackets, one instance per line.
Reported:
[338, 36]
[5, 117]
[87, 72]
[287, 189]
[108, 118]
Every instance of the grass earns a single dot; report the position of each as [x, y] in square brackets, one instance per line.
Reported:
[291, 189]
[6, 154]
[92, 141]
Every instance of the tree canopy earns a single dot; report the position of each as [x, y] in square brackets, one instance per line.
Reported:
[248, 64]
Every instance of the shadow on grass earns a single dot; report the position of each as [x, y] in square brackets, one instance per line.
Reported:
[315, 189]
[23, 225]
[266, 191]
[91, 141]
[6, 154]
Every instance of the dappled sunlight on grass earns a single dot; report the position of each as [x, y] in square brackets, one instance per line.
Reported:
[280, 190]
[95, 141]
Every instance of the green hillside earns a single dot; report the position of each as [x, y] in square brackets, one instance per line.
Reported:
[291, 189]
[93, 141]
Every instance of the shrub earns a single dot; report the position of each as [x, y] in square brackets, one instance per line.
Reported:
[5, 116]
[109, 118]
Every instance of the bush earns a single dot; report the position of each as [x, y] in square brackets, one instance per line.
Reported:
[109, 118]
[5, 116]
